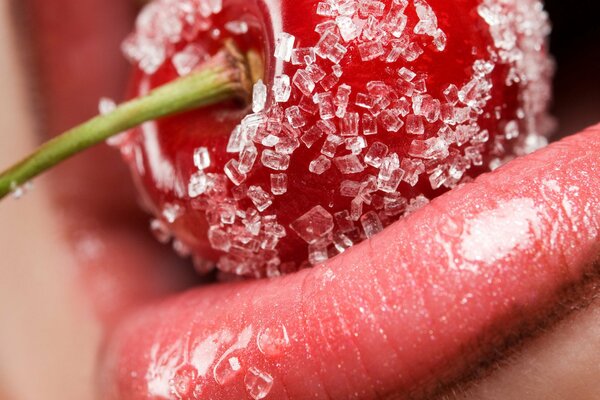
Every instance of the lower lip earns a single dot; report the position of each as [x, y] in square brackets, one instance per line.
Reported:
[415, 306]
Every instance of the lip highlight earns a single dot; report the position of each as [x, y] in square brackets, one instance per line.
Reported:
[392, 317]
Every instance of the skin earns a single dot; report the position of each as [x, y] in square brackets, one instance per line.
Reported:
[59, 300]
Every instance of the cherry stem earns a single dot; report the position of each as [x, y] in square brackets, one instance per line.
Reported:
[225, 76]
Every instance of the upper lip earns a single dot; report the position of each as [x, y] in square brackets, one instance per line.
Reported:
[415, 306]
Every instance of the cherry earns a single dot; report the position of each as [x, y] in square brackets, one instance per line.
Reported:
[362, 112]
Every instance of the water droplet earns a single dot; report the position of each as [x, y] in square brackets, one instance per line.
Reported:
[272, 341]
[258, 383]
[226, 370]
[183, 381]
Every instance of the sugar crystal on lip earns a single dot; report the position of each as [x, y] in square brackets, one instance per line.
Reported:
[349, 124]
[370, 50]
[319, 165]
[314, 225]
[376, 153]
[349, 164]
[201, 158]
[247, 159]
[279, 184]
[261, 199]
[303, 82]
[371, 224]
[259, 96]
[282, 88]
[274, 160]
[284, 44]
[233, 173]
[394, 204]
[311, 136]
[258, 383]
[294, 116]
[197, 185]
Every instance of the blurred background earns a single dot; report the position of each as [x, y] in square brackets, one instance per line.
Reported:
[575, 44]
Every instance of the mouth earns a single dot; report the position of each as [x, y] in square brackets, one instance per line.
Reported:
[415, 309]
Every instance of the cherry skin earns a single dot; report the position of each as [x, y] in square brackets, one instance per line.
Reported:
[453, 88]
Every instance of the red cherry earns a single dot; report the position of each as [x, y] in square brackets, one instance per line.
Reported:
[392, 103]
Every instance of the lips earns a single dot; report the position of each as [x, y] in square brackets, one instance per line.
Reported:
[420, 304]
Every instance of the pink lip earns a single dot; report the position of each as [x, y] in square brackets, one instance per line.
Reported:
[416, 305]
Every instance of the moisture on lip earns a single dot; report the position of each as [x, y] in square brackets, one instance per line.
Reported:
[313, 106]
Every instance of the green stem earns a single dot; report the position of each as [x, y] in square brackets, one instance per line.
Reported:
[225, 76]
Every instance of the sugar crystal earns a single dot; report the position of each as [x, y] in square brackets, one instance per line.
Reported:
[261, 199]
[414, 125]
[319, 165]
[233, 173]
[284, 44]
[370, 50]
[349, 124]
[282, 88]
[316, 224]
[375, 155]
[188, 59]
[276, 161]
[295, 117]
[247, 159]
[258, 383]
[369, 125]
[331, 144]
[259, 96]
[349, 164]
[303, 82]
[279, 184]
[201, 158]
[371, 224]
[197, 185]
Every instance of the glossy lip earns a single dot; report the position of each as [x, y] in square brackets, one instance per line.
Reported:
[379, 320]
[413, 307]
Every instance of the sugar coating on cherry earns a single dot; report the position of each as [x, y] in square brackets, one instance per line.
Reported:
[366, 110]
